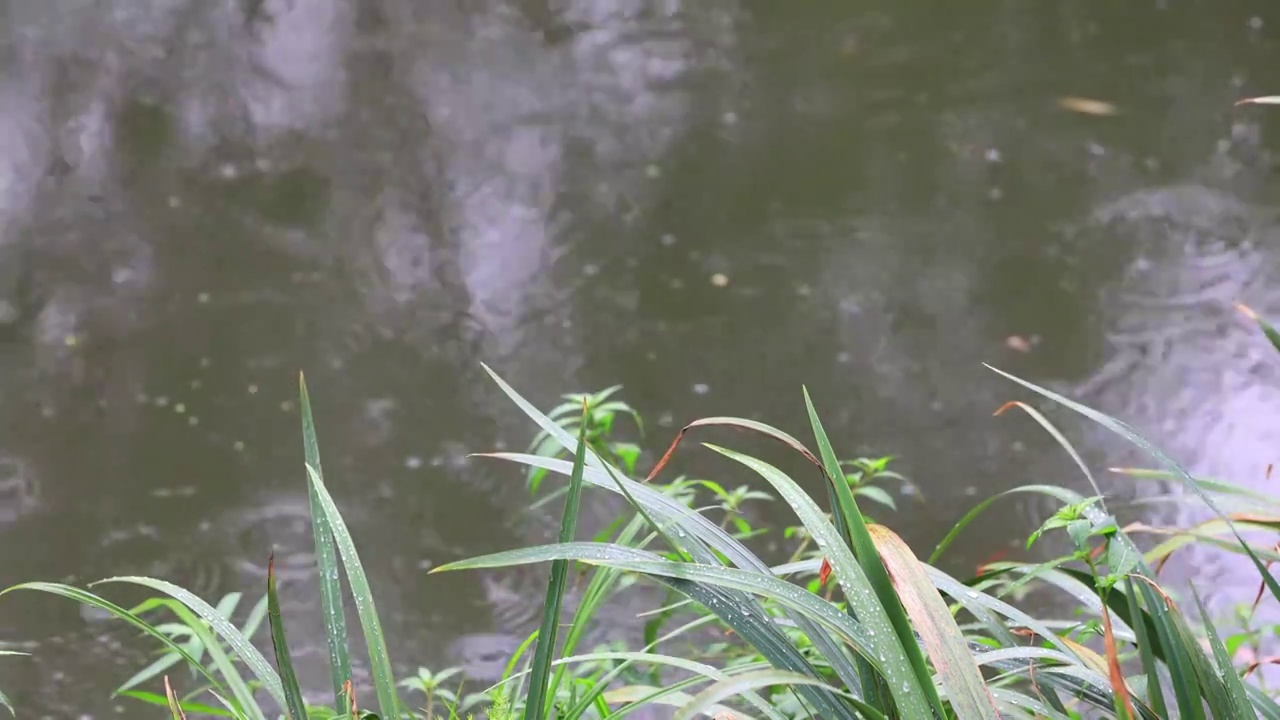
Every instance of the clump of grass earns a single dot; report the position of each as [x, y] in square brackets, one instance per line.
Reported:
[880, 634]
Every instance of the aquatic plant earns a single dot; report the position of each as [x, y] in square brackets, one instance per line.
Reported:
[878, 633]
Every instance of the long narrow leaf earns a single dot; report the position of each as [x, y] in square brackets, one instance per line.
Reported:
[335, 619]
[906, 687]
[85, 597]
[734, 686]
[868, 558]
[288, 679]
[539, 682]
[384, 683]
[218, 622]
[698, 538]
[933, 620]
[1127, 432]
[1237, 699]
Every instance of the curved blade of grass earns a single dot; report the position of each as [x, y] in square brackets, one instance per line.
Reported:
[639, 696]
[540, 690]
[288, 679]
[1059, 493]
[900, 672]
[973, 600]
[1060, 438]
[85, 597]
[567, 441]
[1267, 330]
[174, 709]
[854, 536]
[734, 686]
[1263, 704]
[699, 536]
[709, 586]
[384, 682]
[218, 658]
[335, 619]
[8, 705]
[204, 710]
[1236, 698]
[737, 424]
[1127, 432]
[696, 535]
[707, 672]
[931, 617]
[218, 622]
[1145, 641]
[1022, 701]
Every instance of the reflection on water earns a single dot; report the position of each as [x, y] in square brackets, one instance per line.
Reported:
[711, 203]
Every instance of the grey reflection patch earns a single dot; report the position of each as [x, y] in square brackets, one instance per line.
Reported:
[19, 488]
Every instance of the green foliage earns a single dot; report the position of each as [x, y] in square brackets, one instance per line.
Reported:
[853, 625]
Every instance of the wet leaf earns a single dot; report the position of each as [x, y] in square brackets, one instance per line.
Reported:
[931, 617]
[384, 683]
[174, 709]
[335, 619]
[540, 691]
[288, 679]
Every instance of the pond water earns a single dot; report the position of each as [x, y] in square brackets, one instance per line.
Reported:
[711, 203]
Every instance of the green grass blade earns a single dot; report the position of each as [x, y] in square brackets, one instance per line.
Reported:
[1263, 704]
[900, 670]
[288, 679]
[648, 658]
[1186, 688]
[698, 537]
[219, 659]
[175, 711]
[873, 570]
[384, 683]
[1066, 496]
[1145, 641]
[930, 616]
[85, 597]
[335, 619]
[734, 686]
[1127, 432]
[218, 622]
[1236, 698]
[204, 710]
[4, 699]
[540, 690]
[707, 585]
[1267, 330]
[1022, 701]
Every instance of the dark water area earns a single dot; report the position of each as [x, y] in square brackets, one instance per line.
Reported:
[711, 203]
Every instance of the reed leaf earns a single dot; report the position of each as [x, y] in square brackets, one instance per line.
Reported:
[540, 690]
[288, 678]
[331, 605]
[384, 683]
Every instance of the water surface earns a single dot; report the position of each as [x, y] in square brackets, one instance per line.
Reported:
[711, 203]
